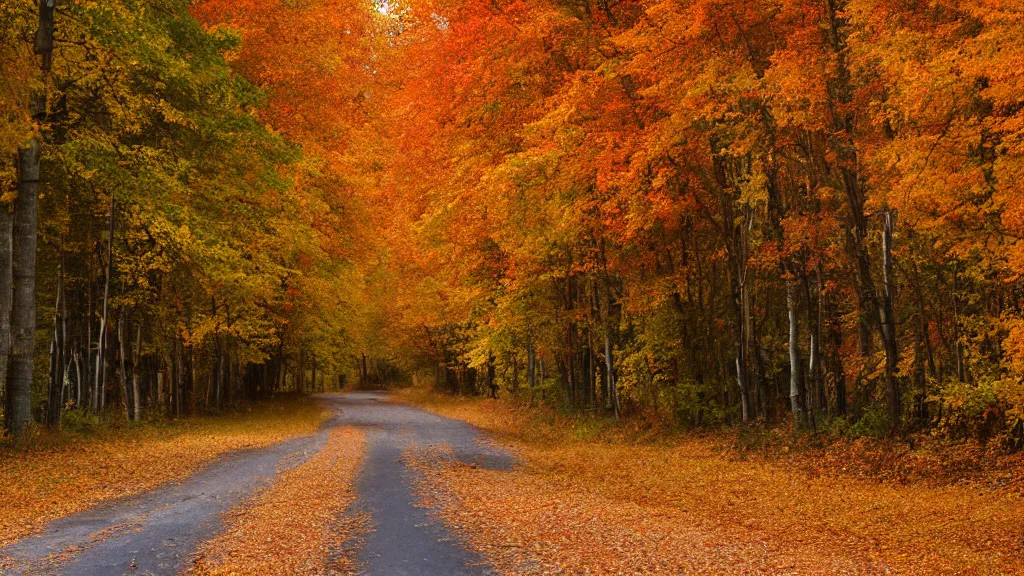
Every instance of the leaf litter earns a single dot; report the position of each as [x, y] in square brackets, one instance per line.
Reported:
[626, 507]
[300, 524]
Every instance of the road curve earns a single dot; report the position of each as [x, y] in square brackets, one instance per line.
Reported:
[156, 533]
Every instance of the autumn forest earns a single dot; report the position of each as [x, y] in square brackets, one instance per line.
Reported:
[710, 217]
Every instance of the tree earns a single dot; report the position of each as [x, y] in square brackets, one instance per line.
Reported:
[24, 228]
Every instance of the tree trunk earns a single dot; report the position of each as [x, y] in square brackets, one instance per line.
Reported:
[77, 358]
[23, 304]
[609, 366]
[492, 383]
[878, 315]
[136, 356]
[55, 398]
[52, 388]
[6, 220]
[888, 323]
[794, 353]
[739, 289]
[65, 347]
[24, 234]
[811, 389]
[161, 396]
[531, 363]
[570, 364]
[818, 370]
[123, 366]
[93, 398]
[218, 374]
[531, 366]
[753, 380]
[179, 376]
[101, 363]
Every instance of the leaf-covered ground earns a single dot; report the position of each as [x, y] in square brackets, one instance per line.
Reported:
[299, 524]
[62, 474]
[622, 506]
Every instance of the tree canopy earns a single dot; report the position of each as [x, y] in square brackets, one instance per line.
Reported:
[700, 211]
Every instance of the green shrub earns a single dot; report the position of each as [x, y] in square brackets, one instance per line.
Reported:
[873, 422]
[79, 421]
[982, 410]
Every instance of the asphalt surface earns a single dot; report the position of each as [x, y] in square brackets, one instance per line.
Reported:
[156, 533]
[405, 539]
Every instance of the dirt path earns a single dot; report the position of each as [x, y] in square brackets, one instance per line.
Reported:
[156, 533]
[406, 539]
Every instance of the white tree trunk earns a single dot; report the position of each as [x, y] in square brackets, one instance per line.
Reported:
[794, 352]
[101, 365]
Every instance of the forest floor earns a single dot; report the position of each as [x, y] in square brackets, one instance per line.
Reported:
[591, 497]
[53, 475]
[382, 487]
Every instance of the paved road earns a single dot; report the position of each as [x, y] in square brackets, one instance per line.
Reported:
[156, 533]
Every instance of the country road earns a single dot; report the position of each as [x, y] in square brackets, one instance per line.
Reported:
[156, 533]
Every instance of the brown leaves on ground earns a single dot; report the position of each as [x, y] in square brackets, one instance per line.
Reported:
[917, 460]
[65, 474]
[299, 524]
[621, 507]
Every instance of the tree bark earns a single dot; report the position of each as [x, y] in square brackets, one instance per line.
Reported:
[739, 290]
[6, 221]
[23, 246]
[136, 357]
[23, 304]
[794, 353]
[77, 359]
[179, 376]
[609, 364]
[101, 364]
[55, 397]
[888, 323]
[93, 397]
[492, 384]
[123, 367]
[65, 345]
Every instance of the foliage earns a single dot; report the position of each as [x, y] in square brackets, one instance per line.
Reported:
[225, 251]
[693, 213]
[662, 174]
[872, 422]
[79, 421]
